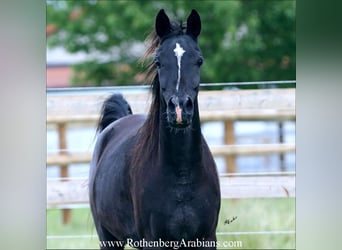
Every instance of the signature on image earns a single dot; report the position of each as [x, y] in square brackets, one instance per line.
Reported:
[229, 221]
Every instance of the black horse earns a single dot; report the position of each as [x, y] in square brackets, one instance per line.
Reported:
[153, 178]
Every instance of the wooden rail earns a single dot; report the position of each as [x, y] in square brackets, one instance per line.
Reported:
[222, 150]
[75, 191]
[218, 115]
[273, 104]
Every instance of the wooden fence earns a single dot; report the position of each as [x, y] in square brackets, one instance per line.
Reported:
[228, 106]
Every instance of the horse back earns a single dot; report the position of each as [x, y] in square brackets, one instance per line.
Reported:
[115, 134]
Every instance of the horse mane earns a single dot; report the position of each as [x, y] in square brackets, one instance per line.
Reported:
[148, 134]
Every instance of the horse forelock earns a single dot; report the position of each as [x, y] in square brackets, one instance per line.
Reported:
[155, 42]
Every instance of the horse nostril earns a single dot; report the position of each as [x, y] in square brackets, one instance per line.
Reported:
[188, 106]
[173, 102]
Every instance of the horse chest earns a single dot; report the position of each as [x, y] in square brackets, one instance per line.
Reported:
[182, 188]
[184, 214]
[181, 207]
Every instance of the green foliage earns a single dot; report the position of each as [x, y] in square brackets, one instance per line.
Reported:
[240, 40]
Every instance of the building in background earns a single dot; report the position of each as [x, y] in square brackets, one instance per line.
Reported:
[58, 67]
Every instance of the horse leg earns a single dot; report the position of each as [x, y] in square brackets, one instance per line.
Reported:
[107, 240]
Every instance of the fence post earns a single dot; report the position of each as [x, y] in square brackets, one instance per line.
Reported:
[62, 139]
[281, 140]
[229, 139]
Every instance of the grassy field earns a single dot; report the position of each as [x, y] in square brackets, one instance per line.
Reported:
[247, 215]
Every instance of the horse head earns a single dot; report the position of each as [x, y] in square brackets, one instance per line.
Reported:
[178, 61]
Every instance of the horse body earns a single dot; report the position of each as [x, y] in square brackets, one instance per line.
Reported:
[154, 177]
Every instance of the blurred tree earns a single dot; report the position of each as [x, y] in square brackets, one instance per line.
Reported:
[240, 40]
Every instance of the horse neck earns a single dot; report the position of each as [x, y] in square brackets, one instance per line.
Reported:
[180, 149]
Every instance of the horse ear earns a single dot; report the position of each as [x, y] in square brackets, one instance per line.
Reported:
[193, 24]
[163, 26]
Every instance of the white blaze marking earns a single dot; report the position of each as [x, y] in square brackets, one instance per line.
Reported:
[179, 51]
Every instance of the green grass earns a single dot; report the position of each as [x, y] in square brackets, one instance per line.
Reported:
[253, 215]
[81, 224]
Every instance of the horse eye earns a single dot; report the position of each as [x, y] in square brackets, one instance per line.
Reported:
[200, 61]
[157, 63]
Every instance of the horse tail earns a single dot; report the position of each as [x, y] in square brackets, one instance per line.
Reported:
[114, 107]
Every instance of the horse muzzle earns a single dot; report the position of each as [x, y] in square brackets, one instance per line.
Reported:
[180, 111]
